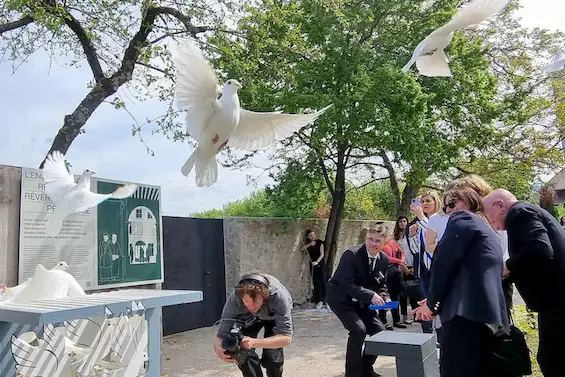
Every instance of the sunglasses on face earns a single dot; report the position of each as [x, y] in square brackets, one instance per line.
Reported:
[450, 204]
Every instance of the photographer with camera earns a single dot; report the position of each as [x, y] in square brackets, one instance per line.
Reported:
[258, 301]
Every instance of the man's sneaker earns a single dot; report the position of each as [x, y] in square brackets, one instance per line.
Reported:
[400, 325]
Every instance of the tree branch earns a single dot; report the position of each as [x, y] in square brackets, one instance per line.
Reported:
[15, 24]
[392, 177]
[87, 47]
[167, 74]
[320, 163]
[368, 183]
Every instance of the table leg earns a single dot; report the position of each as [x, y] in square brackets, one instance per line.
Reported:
[153, 317]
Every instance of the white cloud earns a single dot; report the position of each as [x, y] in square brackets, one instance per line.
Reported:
[34, 101]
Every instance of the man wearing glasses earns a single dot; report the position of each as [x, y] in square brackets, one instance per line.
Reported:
[360, 280]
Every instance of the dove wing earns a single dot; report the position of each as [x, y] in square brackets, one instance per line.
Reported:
[472, 14]
[85, 199]
[196, 89]
[58, 180]
[39, 361]
[417, 52]
[259, 130]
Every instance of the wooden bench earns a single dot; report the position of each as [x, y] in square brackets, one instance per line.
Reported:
[16, 319]
[415, 353]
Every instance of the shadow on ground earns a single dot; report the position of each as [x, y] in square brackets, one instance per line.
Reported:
[318, 350]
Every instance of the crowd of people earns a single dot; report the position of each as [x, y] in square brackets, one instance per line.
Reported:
[455, 262]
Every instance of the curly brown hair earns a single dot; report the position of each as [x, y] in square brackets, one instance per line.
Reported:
[252, 288]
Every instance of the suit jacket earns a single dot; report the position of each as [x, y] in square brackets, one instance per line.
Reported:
[466, 272]
[353, 282]
[536, 245]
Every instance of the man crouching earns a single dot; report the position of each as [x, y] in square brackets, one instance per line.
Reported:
[258, 301]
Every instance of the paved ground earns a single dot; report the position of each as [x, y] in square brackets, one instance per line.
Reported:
[318, 350]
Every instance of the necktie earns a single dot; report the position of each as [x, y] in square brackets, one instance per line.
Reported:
[372, 266]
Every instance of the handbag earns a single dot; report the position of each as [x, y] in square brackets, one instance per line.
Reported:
[509, 355]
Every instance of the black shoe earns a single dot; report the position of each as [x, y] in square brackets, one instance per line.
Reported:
[400, 325]
[388, 327]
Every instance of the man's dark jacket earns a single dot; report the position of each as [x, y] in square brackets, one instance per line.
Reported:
[536, 245]
[353, 283]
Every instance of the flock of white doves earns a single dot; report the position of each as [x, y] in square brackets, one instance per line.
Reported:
[214, 117]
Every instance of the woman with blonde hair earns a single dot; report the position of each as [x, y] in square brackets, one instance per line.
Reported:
[428, 205]
[466, 287]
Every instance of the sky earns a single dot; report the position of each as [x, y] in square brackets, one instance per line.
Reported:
[35, 99]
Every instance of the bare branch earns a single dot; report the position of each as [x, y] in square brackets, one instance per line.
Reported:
[15, 24]
[167, 74]
[87, 47]
[368, 183]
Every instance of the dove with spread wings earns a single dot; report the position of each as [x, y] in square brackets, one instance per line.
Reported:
[429, 55]
[71, 197]
[557, 64]
[216, 122]
[50, 358]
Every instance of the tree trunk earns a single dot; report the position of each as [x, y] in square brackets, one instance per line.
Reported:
[334, 222]
[409, 193]
[74, 122]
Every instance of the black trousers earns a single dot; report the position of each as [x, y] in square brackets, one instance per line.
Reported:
[320, 281]
[360, 322]
[508, 289]
[403, 300]
[464, 348]
[551, 335]
[272, 359]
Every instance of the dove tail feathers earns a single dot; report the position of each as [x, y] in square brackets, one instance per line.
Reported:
[55, 223]
[124, 191]
[189, 164]
[206, 172]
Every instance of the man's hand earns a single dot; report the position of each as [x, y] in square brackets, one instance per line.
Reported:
[248, 343]
[221, 353]
[505, 271]
[423, 313]
[377, 300]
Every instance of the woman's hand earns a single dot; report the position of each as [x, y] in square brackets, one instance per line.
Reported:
[315, 263]
[413, 230]
[417, 211]
[404, 269]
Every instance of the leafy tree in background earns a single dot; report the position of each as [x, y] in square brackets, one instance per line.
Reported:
[386, 124]
[123, 42]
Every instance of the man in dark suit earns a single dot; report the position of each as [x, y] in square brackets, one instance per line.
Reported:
[536, 245]
[360, 280]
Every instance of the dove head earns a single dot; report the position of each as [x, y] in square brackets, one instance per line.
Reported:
[63, 266]
[232, 86]
[88, 173]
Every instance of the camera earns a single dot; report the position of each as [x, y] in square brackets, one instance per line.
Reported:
[231, 343]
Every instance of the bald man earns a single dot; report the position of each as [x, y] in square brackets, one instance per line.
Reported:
[536, 245]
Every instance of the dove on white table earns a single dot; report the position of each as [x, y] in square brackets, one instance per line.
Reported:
[557, 64]
[214, 122]
[47, 284]
[50, 358]
[10, 292]
[71, 197]
[429, 55]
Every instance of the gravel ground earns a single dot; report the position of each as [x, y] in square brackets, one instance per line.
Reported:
[317, 350]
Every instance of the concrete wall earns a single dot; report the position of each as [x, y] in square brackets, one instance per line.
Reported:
[273, 246]
[10, 180]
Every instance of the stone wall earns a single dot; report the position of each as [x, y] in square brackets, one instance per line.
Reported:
[273, 246]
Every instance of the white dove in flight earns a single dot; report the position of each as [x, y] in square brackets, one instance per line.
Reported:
[557, 64]
[214, 122]
[429, 55]
[50, 358]
[71, 197]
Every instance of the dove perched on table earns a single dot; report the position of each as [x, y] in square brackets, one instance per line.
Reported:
[214, 122]
[11, 292]
[429, 55]
[557, 64]
[50, 358]
[71, 197]
[47, 284]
